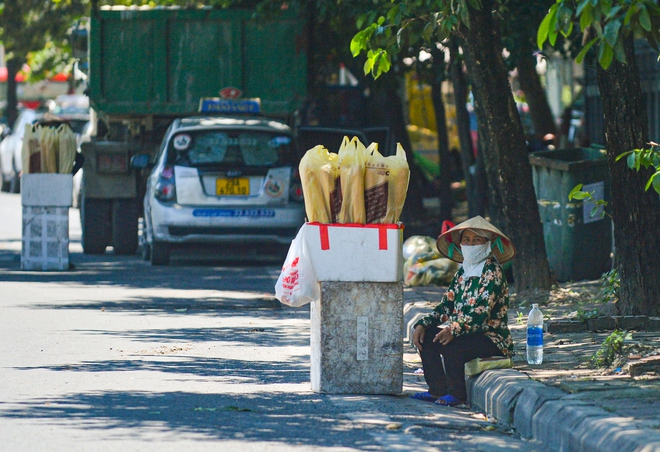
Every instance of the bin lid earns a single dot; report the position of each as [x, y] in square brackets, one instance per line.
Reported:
[569, 158]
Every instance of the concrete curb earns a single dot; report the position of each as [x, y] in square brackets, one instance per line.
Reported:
[552, 418]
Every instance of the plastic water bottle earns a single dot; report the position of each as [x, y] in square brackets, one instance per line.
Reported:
[535, 336]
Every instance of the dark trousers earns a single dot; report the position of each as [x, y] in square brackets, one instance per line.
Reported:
[450, 378]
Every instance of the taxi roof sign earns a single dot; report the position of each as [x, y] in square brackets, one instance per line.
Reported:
[219, 105]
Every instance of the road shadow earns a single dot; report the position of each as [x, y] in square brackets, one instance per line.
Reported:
[131, 271]
[293, 419]
[208, 305]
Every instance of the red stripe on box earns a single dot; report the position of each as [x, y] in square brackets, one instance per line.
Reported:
[325, 240]
[382, 238]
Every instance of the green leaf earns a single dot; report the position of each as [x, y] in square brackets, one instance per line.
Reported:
[584, 51]
[644, 18]
[392, 15]
[565, 19]
[620, 51]
[544, 28]
[584, 4]
[622, 155]
[594, 211]
[586, 18]
[360, 21]
[631, 162]
[611, 32]
[385, 63]
[632, 10]
[651, 180]
[605, 55]
[429, 29]
[552, 30]
[357, 43]
[381, 20]
[577, 189]
[656, 184]
[613, 12]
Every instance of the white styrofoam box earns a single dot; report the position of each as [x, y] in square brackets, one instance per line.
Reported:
[45, 239]
[46, 189]
[355, 252]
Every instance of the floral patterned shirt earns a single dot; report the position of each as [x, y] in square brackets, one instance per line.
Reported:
[476, 305]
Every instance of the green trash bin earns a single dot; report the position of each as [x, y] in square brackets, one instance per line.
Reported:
[578, 245]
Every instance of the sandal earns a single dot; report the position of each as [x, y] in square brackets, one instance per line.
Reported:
[425, 396]
[448, 400]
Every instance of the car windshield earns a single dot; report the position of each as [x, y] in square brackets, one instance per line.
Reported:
[230, 148]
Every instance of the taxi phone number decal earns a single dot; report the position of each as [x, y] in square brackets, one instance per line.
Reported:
[233, 213]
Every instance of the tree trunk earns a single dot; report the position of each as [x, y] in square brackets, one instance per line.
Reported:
[539, 109]
[13, 66]
[636, 213]
[463, 123]
[507, 159]
[444, 181]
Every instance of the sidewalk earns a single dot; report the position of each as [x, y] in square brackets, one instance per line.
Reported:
[563, 404]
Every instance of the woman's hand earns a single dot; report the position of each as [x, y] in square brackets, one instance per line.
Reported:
[418, 337]
[444, 336]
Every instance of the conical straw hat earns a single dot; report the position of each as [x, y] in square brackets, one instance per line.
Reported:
[449, 243]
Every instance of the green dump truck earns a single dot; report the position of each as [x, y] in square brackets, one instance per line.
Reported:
[148, 66]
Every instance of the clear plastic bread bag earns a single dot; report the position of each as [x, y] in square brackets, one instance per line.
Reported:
[385, 185]
[352, 160]
[319, 169]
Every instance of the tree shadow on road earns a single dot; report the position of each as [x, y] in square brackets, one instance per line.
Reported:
[130, 271]
[293, 419]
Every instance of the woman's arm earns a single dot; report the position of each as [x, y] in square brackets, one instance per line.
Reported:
[444, 309]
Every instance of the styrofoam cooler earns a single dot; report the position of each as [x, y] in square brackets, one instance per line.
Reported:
[46, 199]
[356, 252]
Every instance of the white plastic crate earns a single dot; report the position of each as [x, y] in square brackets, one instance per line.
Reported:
[356, 253]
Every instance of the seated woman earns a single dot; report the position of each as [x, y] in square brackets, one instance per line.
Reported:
[471, 320]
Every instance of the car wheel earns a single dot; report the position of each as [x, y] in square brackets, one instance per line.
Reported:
[95, 216]
[125, 226]
[15, 181]
[160, 253]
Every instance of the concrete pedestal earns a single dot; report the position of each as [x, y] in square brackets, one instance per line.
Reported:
[46, 199]
[357, 338]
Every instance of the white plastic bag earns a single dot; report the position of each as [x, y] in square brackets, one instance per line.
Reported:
[297, 284]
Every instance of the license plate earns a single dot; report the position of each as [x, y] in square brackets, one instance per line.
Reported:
[232, 187]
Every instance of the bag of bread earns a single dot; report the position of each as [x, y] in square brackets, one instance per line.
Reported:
[352, 159]
[31, 151]
[385, 185]
[68, 148]
[49, 144]
[319, 169]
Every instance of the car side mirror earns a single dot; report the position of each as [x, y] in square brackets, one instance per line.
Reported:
[140, 161]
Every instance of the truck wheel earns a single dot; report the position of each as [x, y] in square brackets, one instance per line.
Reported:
[146, 251]
[95, 219]
[125, 226]
[160, 253]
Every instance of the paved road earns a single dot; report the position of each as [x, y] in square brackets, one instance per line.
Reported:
[118, 355]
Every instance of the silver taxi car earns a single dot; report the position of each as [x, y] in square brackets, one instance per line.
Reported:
[224, 180]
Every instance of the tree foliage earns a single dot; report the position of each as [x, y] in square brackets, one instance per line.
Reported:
[604, 25]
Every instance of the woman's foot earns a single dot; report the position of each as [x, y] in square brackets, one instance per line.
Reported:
[448, 400]
[425, 396]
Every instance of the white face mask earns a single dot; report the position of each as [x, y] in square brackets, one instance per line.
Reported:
[474, 254]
